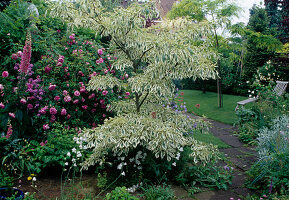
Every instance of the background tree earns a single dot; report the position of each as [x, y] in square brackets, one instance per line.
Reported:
[218, 12]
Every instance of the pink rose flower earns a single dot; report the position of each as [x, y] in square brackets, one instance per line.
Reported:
[23, 101]
[67, 98]
[53, 111]
[100, 60]
[1, 87]
[72, 36]
[84, 107]
[30, 106]
[63, 111]
[127, 93]
[83, 100]
[104, 92]
[101, 101]
[103, 115]
[126, 75]
[60, 59]
[19, 53]
[52, 118]
[93, 110]
[5, 74]
[47, 69]
[76, 93]
[59, 64]
[65, 92]
[14, 56]
[80, 73]
[68, 116]
[51, 87]
[99, 51]
[76, 101]
[2, 105]
[12, 115]
[42, 144]
[45, 127]
[56, 98]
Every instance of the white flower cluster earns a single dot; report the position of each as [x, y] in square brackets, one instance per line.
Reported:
[81, 141]
[133, 188]
[252, 94]
[75, 156]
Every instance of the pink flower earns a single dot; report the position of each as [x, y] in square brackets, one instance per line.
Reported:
[63, 111]
[103, 115]
[126, 75]
[56, 98]
[68, 116]
[42, 144]
[14, 56]
[80, 73]
[100, 60]
[104, 92]
[12, 115]
[67, 98]
[58, 31]
[9, 131]
[93, 110]
[2, 105]
[23, 101]
[47, 69]
[76, 93]
[30, 106]
[75, 101]
[59, 64]
[1, 87]
[26, 56]
[101, 101]
[5, 74]
[52, 118]
[19, 53]
[99, 51]
[45, 127]
[84, 107]
[82, 99]
[72, 36]
[51, 87]
[82, 89]
[53, 111]
[127, 93]
[65, 92]
[61, 59]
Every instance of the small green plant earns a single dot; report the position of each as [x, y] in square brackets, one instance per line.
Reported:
[120, 193]
[5, 179]
[161, 192]
[102, 180]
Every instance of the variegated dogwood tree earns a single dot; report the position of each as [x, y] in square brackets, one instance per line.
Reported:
[155, 56]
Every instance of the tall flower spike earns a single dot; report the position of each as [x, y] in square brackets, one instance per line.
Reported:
[26, 56]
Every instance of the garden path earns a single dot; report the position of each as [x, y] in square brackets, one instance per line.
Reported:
[239, 156]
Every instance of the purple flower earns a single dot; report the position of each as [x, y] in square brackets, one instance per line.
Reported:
[76, 93]
[5, 74]
[63, 111]
[12, 115]
[53, 111]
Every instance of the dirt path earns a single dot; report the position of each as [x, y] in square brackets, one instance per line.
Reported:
[239, 156]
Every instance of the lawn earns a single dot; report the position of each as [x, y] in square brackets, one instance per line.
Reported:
[210, 139]
[209, 105]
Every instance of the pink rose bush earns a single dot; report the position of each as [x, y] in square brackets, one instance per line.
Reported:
[53, 89]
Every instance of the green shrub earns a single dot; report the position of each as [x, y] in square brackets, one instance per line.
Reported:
[271, 171]
[120, 193]
[161, 192]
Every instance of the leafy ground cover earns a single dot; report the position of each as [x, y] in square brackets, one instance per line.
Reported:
[206, 104]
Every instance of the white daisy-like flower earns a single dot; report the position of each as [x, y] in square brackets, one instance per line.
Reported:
[174, 164]
[68, 154]
[123, 173]
[34, 178]
[73, 150]
[66, 163]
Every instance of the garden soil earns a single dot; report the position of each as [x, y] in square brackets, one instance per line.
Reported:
[240, 157]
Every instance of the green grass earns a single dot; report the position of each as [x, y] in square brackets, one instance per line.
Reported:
[210, 139]
[209, 105]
